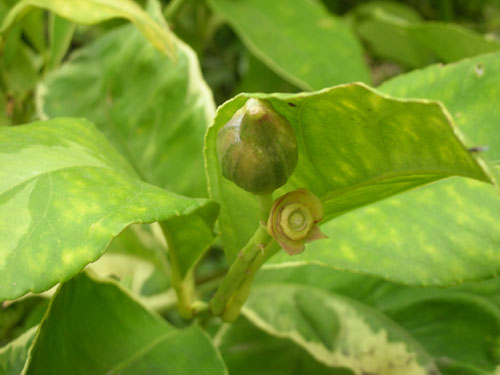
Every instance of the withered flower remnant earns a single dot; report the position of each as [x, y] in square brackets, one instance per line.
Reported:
[294, 219]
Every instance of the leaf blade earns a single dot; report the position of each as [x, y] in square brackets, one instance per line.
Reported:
[96, 11]
[160, 133]
[344, 158]
[451, 225]
[87, 302]
[268, 30]
[13, 356]
[64, 195]
[413, 42]
[458, 326]
[365, 340]
[244, 347]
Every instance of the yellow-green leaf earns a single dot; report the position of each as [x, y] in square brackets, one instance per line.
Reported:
[337, 331]
[445, 233]
[94, 11]
[65, 193]
[459, 326]
[249, 350]
[13, 355]
[154, 111]
[356, 147]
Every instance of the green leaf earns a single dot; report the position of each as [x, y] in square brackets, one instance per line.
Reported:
[489, 289]
[361, 287]
[450, 42]
[138, 260]
[189, 235]
[13, 356]
[17, 65]
[302, 42]
[18, 316]
[389, 40]
[34, 29]
[4, 118]
[60, 34]
[247, 350]
[448, 232]
[469, 90]
[105, 331]
[417, 44]
[131, 271]
[389, 8]
[154, 111]
[19, 73]
[443, 234]
[355, 147]
[363, 340]
[90, 12]
[459, 326]
[143, 241]
[142, 264]
[451, 367]
[64, 194]
[373, 290]
[257, 77]
[4, 8]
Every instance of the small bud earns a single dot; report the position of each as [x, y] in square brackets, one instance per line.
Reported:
[257, 148]
[293, 220]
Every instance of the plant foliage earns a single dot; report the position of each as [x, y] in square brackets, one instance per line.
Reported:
[125, 248]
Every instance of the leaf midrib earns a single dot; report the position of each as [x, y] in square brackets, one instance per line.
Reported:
[438, 174]
[140, 353]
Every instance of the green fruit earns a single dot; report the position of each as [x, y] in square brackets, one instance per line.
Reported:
[257, 148]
